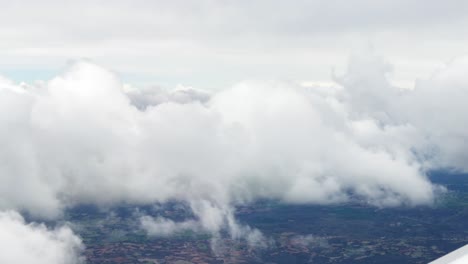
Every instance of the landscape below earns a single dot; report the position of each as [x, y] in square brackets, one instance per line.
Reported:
[343, 233]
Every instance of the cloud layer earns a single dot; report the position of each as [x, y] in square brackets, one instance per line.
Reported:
[84, 137]
[78, 138]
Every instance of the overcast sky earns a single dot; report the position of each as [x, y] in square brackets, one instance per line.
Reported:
[212, 44]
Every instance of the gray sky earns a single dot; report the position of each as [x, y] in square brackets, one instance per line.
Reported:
[213, 44]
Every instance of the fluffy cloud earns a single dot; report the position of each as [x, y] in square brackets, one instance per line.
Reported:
[35, 243]
[438, 109]
[433, 112]
[84, 137]
[79, 138]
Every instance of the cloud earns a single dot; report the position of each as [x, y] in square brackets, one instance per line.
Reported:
[84, 137]
[430, 118]
[212, 43]
[80, 139]
[162, 227]
[152, 96]
[35, 243]
[437, 108]
[309, 241]
[209, 218]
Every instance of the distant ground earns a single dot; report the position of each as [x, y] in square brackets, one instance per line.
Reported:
[347, 233]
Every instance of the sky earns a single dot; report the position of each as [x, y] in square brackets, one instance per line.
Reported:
[221, 103]
[213, 44]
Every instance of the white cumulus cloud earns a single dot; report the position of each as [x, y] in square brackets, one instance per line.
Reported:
[35, 243]
[84, 137]
[78, 138]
